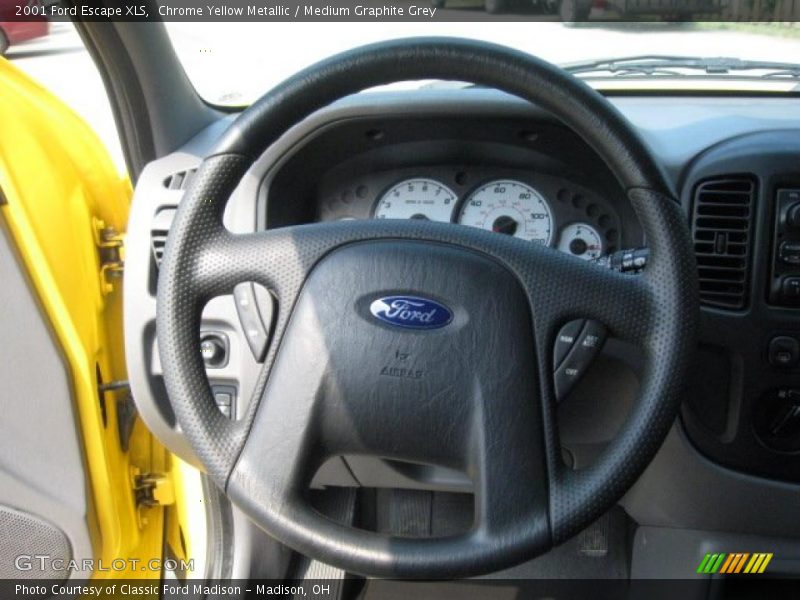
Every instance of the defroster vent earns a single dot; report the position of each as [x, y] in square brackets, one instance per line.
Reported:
[722, 222]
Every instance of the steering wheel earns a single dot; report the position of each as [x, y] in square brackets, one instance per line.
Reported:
[420, 341]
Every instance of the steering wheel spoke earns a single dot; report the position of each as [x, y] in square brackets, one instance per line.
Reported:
[564, 288]
[511, 475]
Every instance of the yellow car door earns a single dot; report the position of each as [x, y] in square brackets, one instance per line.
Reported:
[82, 481]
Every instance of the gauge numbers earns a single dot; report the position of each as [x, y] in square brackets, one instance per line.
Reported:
[511, 208]
[581, 240]
[425, 199]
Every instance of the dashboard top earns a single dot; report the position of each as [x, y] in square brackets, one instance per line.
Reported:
[677, 128]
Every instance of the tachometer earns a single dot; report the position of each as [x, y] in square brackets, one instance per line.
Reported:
[417, 199]
[581, 240]
[509, 207]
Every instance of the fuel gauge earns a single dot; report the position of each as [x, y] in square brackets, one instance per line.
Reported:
[581, 240]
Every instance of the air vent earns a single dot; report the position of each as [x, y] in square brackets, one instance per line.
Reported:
[721, 230]
[179, 180]
[159, 240]
[159, 231]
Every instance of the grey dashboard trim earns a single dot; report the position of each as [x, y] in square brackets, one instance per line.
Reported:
[142, 357]
[681, 488]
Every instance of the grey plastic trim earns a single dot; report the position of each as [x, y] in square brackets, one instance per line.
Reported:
[41, 453]
[681, 488]
[144, 367]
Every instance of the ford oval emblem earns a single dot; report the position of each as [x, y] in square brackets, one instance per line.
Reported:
[411, 312]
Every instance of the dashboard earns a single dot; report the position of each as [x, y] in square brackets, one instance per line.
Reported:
[534, 207]
[533, 180]
[479, 158]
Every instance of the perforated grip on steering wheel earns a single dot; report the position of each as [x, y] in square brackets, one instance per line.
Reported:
[585, 495]
[194, 233]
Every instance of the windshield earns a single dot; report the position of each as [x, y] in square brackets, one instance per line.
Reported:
[234, 63]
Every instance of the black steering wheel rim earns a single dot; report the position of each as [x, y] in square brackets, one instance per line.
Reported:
[202, 259]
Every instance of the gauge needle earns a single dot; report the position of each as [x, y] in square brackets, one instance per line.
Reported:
[504, 224]
[578, 246]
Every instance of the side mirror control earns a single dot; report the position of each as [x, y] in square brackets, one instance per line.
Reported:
[214, 348]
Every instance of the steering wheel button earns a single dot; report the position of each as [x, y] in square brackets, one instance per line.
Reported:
[565, 340]
[590, 341]
[580, 356]
[567, 376]
[255, 329]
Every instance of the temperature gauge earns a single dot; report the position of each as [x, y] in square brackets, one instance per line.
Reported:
[581, 240]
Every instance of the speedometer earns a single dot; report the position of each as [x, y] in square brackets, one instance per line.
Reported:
[417, 199]
[509, 207]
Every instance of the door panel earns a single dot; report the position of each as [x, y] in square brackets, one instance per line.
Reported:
[43, 503]
[64, 456]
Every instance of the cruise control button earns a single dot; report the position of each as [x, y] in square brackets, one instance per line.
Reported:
[566, 339]
[250, 307]
[591, 339]
[579, 358]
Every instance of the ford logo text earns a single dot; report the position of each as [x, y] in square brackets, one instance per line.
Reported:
[411, 312]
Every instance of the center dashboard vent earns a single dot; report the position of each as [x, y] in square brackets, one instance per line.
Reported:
[722, 221]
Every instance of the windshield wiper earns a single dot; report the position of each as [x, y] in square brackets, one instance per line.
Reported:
[677, 66]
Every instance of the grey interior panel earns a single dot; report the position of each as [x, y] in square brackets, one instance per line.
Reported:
[42, 479]
[681, 488]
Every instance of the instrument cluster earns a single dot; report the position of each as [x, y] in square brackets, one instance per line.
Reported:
[534, 207]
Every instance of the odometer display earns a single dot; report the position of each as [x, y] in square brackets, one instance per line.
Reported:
[417, 199]
[509, 207]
